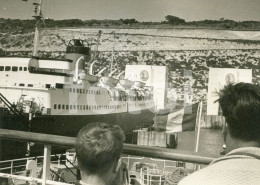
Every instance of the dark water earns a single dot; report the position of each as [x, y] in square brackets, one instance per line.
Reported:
[210, 141]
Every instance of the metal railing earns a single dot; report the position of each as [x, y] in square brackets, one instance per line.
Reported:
[14, 164]
[69, 142]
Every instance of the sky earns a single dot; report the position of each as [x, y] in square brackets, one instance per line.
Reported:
[141, 10]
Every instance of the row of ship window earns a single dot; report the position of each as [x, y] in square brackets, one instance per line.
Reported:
[13, 68]
[83, 91]
[86, 107]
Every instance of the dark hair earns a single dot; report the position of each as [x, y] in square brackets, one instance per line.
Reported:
[98, 145]
[240, 104]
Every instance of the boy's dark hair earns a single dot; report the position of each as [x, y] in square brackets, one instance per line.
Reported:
[240, 104]
[98, 145]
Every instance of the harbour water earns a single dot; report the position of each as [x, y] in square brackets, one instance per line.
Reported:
[210, 141]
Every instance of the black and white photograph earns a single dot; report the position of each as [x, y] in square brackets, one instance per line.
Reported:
[129, 92]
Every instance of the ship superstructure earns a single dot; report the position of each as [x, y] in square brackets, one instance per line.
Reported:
[44, 87]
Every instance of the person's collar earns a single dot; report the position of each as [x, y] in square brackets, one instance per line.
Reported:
[83, 183]
[243, 151]
[253, 150]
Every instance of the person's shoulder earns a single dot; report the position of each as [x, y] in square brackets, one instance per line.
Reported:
[196, 177]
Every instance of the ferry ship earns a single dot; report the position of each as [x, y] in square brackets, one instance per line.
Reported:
[60, 96]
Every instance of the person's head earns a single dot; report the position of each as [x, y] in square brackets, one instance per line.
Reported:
[98, 148]
[240, 104]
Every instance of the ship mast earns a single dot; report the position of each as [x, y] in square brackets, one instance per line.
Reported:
[38, 17]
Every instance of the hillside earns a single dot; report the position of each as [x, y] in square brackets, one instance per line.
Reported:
[179, 49]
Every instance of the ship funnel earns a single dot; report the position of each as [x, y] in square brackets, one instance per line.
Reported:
[76, 49]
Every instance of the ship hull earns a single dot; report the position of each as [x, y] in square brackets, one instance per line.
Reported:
[67, 125]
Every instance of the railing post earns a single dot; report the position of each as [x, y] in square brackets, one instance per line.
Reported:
[12, 165]
[59, 161]
[46, 163]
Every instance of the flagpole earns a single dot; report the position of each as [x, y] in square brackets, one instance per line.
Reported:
[196, 125]
[198, 129]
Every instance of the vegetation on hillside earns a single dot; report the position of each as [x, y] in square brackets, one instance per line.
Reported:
[23, 26]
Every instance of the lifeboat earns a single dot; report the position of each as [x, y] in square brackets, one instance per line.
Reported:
[109, 81]
[139, 84]
[126, 83]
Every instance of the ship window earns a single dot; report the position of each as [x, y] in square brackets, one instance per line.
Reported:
[47, 86]
[21, 84]
[77, 107]
[70, 89]
[83, 91]
[7, 68]
[14, 68]
[74, 90]
[25, 68]
[63, 106]
[59, 106]
[70, 107]
[80, 107]
[55, 106]
[83, 107]
[30, 85]
[67, 107]
[20, 68]
[59, 86]
[77, 90]
[2, 68]
[74, 107]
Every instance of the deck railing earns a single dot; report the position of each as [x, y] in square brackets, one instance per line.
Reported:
[69, 142]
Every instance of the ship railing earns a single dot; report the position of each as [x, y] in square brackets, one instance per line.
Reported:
[69, 142]
[17, 164]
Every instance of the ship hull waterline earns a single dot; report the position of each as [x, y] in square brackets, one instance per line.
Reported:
[67, 125]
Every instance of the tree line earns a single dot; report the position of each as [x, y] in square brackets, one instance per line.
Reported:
[22, 26]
